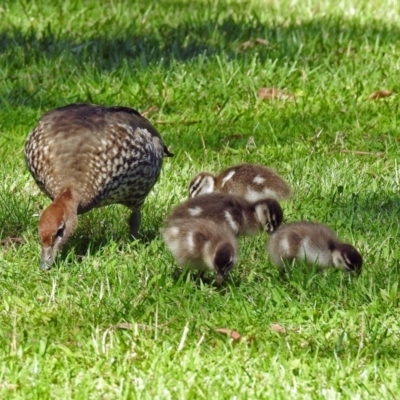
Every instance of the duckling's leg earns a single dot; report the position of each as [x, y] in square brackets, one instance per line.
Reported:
[134, 222]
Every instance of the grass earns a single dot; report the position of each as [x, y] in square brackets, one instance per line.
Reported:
[63, 333]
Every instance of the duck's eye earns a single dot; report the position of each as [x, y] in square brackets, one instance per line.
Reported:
[60, 231]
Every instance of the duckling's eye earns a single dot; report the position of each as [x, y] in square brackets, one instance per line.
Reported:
[227, 267]
[349, 265]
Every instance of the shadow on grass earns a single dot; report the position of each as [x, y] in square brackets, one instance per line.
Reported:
[319, 41]
[199, 279]
[310, 41]
[328, 41]
[365, 212]
[104, 227]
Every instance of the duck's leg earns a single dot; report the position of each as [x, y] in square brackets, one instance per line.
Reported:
[134, 222]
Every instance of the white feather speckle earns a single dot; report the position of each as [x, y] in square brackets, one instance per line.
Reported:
[174, 230]
[254, 195]
[231, 222]
[226, 179]
[285, 246]
[195, 212]
[190, 241]
[259, 180]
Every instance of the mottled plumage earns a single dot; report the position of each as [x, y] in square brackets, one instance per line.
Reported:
[313, 243]
[250, 181]
[84, 156]
[202, 245]
[241, 216]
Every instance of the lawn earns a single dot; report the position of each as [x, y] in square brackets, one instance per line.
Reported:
[109, 320]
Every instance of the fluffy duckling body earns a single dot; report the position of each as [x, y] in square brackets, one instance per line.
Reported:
[203, 245]
[251, 181]
[241, 216]
[313, 243]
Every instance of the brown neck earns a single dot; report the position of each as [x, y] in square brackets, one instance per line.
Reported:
[68, 200]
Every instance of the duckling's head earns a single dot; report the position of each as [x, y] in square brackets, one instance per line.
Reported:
[202, 183]
[347, 258]
[224, 260]
[269, 214]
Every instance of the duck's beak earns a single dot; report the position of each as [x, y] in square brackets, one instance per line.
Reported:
[47, 258]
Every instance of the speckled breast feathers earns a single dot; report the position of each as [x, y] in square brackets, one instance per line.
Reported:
[107, 154]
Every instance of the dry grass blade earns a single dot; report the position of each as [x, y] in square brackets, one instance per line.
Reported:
[133, 325]
[149, 110]
[363, 153]
[130, 326]
[234, 136]
[183, 122]
[380, 94]
[8, 386]
[274, 94]
[11, 240]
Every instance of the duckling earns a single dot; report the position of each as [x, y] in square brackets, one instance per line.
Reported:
[313, 243]
[202, 245]
[241, 216]
[251, 181]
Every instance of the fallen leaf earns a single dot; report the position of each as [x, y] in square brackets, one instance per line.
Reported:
[234, 335]
[261, 41]
[278, 328]
[11, 240]
[380, 94]
[274, 94]
[248, 44]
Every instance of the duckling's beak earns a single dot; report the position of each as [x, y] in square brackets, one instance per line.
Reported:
[47, 258]
[220, 279]
[356, 271]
